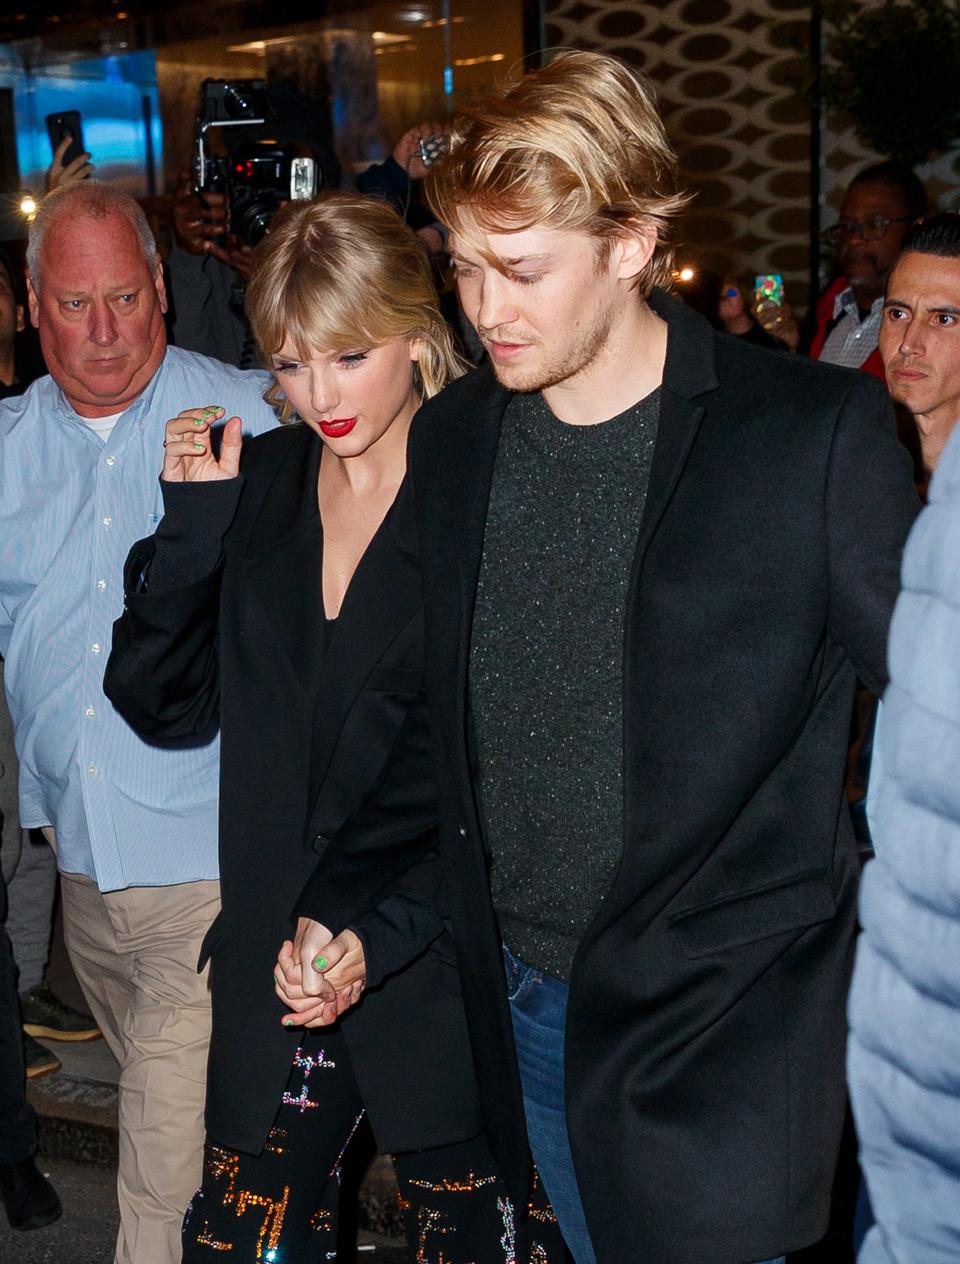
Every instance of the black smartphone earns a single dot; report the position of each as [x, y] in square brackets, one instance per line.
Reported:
[58, 125]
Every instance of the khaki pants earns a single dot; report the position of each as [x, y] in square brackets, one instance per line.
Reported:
[135, 954]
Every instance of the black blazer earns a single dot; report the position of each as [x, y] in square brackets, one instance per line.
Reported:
[304, 738]
[706, 1029]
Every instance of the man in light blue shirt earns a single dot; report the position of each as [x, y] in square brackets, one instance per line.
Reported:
[135, 825]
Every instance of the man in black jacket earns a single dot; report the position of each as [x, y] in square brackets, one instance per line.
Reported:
[654, 562]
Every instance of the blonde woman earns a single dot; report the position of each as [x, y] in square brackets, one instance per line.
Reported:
[280, 598]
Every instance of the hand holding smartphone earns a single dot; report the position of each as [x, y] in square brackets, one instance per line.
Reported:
[66, 123]
[768, 288]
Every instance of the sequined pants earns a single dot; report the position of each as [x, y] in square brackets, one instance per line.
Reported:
[280, 1205]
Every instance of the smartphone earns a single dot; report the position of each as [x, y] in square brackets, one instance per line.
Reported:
[433, 147]
[58, 125]
[768, 288]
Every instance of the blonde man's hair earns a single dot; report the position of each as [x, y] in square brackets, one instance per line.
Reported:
[95, 199]
[578, 145]
[341, 273]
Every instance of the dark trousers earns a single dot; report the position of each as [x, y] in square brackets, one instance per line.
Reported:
[281, 1204]
[18, 1123]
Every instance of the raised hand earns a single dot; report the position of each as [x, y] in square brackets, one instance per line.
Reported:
[188, 457]
[81, 168]
[406, 152]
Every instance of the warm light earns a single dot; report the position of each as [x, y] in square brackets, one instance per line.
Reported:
[28, 206]
[686, 274]
[476, 61]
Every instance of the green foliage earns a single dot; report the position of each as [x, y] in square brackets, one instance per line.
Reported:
[893, 69]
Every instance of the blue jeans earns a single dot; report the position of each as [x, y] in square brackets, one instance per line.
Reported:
[538, 1008]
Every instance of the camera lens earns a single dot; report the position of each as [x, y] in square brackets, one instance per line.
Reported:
[253, 222]
[239, 101]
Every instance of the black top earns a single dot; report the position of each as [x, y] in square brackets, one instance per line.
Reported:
[565, 510]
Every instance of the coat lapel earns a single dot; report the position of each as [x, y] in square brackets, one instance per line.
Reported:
[689, 373]
[285, 554]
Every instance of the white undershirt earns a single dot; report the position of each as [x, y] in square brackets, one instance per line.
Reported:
[102, 427]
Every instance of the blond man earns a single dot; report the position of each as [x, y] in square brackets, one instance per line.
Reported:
[655, 560]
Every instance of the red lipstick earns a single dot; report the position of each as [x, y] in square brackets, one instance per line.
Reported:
[337, 427]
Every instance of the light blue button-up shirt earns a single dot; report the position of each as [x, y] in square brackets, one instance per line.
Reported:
[127, 813]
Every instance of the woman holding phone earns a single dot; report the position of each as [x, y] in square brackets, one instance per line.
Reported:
[279, 598]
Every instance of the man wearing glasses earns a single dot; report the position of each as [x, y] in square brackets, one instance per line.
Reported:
[878, 209]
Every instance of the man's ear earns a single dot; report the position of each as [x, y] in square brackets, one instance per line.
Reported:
[634, 248]
[160, 286]
[33, 303]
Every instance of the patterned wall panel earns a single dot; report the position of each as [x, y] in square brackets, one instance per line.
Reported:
[726, 72]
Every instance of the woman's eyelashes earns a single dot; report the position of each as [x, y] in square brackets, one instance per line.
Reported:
[348, 359]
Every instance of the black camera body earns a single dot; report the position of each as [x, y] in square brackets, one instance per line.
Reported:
[256, 175]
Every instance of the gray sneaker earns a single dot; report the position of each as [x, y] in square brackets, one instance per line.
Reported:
[46, 1015]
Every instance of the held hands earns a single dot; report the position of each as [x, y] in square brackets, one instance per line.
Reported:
[188, 457]
[319, 976]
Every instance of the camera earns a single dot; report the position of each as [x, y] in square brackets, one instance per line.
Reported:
[257, 175]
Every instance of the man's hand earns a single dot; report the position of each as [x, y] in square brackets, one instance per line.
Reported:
[187, 456]
[195, 225]
[406, 152]
[319, 976]
[200, 227]
[58, 175]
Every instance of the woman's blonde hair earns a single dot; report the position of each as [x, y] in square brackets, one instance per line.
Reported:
[345, 272]
[578, 145]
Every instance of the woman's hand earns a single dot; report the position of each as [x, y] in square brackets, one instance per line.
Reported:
[319, 976]
[188, 457]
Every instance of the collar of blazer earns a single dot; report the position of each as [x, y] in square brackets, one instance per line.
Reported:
[453, 446]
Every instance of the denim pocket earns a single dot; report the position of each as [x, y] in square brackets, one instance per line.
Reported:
[520, 976]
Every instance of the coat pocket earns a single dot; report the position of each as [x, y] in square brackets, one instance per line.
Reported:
[731, 921]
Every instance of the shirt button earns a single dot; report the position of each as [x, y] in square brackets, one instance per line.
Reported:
[92, 769]
[111, 460]
[461, 830]
[107, 522]
[95, 648]
[101, 584]
[89, 713]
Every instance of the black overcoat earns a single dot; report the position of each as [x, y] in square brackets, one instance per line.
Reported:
[706, 1028]
[303, 738]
